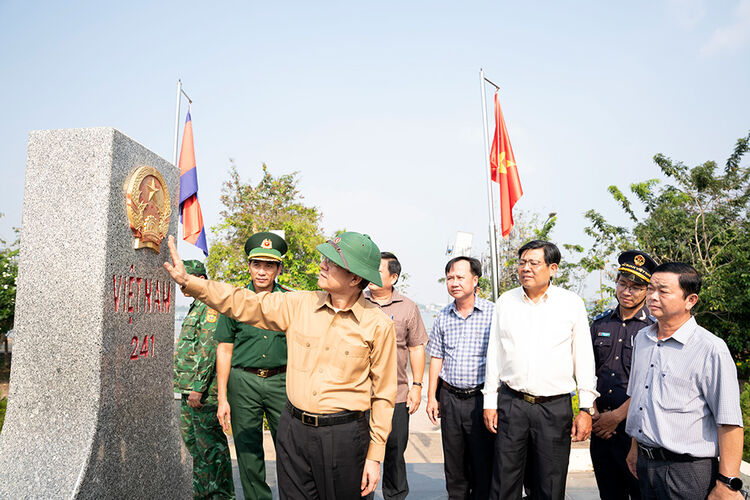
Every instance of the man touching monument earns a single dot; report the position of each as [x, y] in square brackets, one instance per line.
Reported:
[194, 378]
[251, 370]
[341, 363]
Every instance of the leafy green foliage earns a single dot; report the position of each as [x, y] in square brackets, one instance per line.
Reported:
[700, 215]
[8, 275]
[745, 405]
[274, 203]
[3, 405]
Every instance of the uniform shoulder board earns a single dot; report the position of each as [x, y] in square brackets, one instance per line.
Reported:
[603, 315]
[286, 288]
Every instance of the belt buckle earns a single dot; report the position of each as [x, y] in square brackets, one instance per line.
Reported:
[263, 372]
[529, 398]
[647, 451]
[311, 420]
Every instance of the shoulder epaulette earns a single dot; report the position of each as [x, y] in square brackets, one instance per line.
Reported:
[603, 315]
[286, 288]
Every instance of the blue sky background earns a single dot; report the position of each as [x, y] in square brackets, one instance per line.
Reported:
[377, 104]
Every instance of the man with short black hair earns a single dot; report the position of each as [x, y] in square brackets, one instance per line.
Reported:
[541, 350]
[411, 337]
[458, 350]
[685, 399]
[612, 334]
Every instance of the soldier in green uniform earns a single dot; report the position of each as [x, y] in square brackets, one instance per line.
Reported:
[251, 370]
[195, 379]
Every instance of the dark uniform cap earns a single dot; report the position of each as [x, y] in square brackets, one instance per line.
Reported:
[195, 267]
[356, 253]
[265, 246]
[638, 264]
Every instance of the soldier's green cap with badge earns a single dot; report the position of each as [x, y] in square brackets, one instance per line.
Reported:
[195, 267]
[265, 246]
[638, 265]
[356, 253]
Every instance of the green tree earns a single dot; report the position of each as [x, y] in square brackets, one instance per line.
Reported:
[8, 275]
[699, 216]
[274, 203]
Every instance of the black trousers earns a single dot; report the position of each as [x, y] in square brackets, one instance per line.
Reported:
[320, 462]
[666, 480]
[614, 479]
[535, 433]
[467, 447]
[395, 486]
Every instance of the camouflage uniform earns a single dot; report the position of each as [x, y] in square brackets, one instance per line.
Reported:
[194, 370]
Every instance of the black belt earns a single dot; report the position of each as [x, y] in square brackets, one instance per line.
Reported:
[463, 393]
[264, 372]
[323, 419]
[532, 399]
[665, 455]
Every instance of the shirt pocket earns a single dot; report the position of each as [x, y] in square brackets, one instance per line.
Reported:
[302, 352]
[676, 394]
[401, 327]
[602, 347]
[350, 361]
[189, 329]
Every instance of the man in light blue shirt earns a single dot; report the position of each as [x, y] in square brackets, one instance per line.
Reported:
[458, 356]
[685, 402]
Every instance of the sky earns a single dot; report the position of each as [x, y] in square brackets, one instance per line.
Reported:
[377, 105]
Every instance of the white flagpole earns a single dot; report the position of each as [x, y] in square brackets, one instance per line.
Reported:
[177, 122]
[493, 229]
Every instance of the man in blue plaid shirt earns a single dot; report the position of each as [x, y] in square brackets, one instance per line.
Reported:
[458, 355]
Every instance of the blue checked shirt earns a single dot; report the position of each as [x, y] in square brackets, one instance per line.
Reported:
[462, 343]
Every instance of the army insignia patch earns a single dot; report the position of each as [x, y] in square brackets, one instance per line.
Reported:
[336, 240]
[604, 334]
[639, 260]
[211, 316]
[266, 243]
[148, 206]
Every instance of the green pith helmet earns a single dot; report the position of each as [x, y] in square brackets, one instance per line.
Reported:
[195, 267]
[356, 253]
[265, 246]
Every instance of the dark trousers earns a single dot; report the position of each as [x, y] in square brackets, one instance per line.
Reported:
[395, 486]
[537, 434]
[614, 479]
[666, 480]
[320, 462]
[467, 447]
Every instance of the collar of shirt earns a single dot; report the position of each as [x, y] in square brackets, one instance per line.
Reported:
[276, 287]
[682, 335]
[356, 308]
[551, 289]
[641, 315]
[395, 297]
[480, 304]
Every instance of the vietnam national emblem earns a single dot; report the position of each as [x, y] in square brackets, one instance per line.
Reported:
[639, 260]
[148, 206]
[266, 243]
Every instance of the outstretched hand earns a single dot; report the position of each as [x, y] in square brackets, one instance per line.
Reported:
[176, 269]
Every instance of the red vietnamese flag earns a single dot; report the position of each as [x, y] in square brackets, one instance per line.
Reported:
[504, 171]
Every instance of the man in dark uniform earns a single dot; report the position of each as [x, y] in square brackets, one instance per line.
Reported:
[251, 370]
[612, 333]
[194, 378]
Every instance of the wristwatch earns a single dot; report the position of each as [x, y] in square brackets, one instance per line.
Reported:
[418, 384]
[734, 483]
[590, 411]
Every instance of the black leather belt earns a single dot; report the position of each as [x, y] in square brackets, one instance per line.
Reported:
[664, 454]
[463, 393]
[532, 399]
[323, 419]
[264, 372]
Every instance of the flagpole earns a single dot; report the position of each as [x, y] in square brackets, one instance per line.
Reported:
[177, 122]
[493, 230]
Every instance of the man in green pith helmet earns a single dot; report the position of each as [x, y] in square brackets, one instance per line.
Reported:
[251, 370]
[341, 365]
[194, 378]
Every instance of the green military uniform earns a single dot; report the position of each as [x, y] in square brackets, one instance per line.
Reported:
[194, 370]
[261, 391]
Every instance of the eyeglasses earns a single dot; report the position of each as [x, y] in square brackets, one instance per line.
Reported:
[533, 263]
[631, 288]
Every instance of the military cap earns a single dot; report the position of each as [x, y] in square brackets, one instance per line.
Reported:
[265, 246]
[356, 253]
[195, 267]
[638, 264]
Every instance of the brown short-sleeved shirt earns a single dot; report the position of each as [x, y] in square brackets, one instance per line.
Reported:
[338, 359]
[410, 332]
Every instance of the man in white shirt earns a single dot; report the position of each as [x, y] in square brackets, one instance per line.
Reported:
[540, 347]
